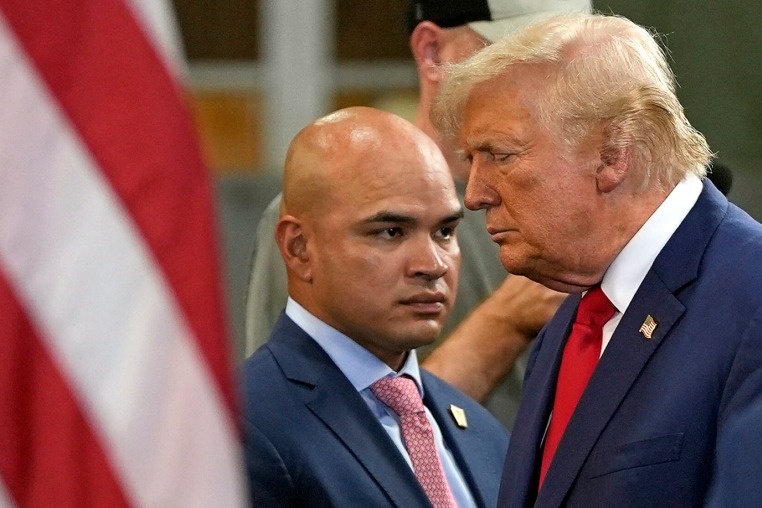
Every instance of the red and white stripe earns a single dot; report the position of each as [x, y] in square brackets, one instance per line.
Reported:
[115, 382]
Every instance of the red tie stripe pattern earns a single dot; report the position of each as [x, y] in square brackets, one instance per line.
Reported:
[581, 353]
[402, 396]
[115, 380]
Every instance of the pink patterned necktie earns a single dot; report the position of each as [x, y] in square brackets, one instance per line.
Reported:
[403, 397]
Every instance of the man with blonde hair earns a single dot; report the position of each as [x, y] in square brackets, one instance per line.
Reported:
[593, 182]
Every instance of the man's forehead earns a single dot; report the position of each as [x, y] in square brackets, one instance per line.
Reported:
[388, 174]
[493, 120]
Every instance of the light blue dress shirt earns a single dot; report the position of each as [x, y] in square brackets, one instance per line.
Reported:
[363, 368]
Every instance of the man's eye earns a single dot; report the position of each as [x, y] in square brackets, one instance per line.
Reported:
[499, 156]
[390, 232]
[447, 232]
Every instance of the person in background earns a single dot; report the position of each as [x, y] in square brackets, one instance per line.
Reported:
[495, 317]
[593, 182]
[337, 411]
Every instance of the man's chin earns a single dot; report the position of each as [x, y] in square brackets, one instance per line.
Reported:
[422, 334]
[517, 262]
[514, 267]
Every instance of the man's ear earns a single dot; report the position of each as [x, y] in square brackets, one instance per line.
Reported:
[426, 43]
[614, 167]
[291, 237]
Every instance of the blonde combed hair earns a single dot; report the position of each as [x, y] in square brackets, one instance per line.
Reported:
[606, 71]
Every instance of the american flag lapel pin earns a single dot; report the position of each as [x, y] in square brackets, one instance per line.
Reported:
[648, 327]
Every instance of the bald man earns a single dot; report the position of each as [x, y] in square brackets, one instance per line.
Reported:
[367, 233]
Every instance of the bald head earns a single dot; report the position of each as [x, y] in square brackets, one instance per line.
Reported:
[367, 230]
[347, 145]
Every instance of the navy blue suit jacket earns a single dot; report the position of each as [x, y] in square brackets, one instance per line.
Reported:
[646, 429]
[311, 439]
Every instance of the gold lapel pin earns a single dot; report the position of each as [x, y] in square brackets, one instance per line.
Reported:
[648, 327]
[459, 415]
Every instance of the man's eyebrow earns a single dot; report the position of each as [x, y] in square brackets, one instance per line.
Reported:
[398, 218]
[484, 146]
[474, 142]
[454, 217]
[502, 141]
[386, 216]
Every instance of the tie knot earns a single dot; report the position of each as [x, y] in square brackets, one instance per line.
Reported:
[595, 309]
[399, 393]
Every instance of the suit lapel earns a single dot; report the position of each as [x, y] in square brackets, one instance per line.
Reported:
[519, 483]
[466, 445]
[333, 399]
[629, 350]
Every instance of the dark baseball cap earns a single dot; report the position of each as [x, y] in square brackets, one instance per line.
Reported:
[491, 19]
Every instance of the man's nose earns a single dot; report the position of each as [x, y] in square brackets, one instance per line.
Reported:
[428, 260]
[479, 192]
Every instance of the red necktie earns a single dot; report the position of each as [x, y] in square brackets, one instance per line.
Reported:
[403, 397]
[581, 353]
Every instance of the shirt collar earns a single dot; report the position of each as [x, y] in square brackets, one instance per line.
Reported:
[626, 273]
[359, 365]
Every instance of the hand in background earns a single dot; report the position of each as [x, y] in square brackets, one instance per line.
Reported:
[481, 351]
